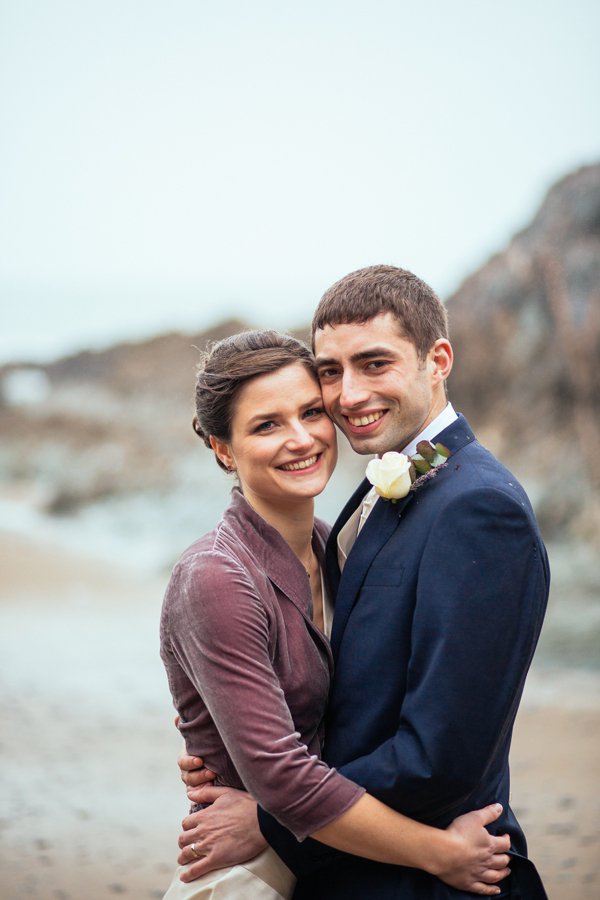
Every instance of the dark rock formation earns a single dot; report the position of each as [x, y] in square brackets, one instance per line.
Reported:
[525, 328]
[526, 331]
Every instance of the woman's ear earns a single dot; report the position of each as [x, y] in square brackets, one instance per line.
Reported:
[224, 453]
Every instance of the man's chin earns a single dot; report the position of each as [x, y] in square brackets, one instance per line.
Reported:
[365, 445]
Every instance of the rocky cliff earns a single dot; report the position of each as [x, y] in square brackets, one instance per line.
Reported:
[526, 331]
[525, 328]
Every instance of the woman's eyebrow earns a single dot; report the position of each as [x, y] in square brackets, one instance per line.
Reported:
[261, 417]
[316, 401]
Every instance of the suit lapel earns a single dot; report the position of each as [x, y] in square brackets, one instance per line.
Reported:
[377, 530]
[331, 556]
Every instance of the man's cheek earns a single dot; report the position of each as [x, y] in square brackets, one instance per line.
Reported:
[329, 398]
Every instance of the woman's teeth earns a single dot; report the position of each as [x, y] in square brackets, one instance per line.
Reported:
[303, 464]
[365, 420]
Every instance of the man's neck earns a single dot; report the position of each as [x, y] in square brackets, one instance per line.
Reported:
[432, 429]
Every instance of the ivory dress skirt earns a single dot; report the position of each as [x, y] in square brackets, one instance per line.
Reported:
[265, 877]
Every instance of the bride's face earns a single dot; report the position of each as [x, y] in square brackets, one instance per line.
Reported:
[283, 445]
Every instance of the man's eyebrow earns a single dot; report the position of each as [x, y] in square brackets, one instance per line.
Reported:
[371, 353]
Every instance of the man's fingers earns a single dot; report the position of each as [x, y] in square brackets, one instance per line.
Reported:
[197, 777]
[189, 834]
[189, 763]
[206, 793]
[200, 867]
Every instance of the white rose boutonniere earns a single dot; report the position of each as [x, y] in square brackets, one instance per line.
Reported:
[390, 475]
[394, 474]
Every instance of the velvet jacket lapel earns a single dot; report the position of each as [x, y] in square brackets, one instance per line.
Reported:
[378, 528]
[270, 551]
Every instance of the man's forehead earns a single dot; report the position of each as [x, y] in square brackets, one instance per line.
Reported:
[336, 340]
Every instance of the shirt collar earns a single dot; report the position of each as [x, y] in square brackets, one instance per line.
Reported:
[441, 421]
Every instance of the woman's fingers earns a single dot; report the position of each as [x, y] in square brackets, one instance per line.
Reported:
[499, 861]
[487, 890]
[489, 813]
[500, 843]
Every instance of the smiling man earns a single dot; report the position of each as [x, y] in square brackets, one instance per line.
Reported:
[439, 598]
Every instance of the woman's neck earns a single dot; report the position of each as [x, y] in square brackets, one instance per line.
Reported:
[293, 521]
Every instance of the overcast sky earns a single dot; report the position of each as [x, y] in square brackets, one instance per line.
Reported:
[165, 164]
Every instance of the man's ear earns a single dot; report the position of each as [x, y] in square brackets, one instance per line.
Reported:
[439, 360]
[224, 453]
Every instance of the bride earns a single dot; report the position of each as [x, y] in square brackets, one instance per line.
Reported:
[244, 637]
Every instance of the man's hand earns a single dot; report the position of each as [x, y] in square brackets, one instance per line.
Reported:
[226, 833]
[193, 773]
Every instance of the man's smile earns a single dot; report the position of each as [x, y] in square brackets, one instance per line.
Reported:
[365, 419]
[366, 422]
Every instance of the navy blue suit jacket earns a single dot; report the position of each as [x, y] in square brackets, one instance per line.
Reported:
[438, 611]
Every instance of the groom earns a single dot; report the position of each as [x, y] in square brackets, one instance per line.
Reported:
[439, 596]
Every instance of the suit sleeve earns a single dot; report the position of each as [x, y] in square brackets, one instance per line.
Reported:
[480, 599]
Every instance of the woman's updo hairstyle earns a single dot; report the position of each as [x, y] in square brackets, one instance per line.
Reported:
[227, 365]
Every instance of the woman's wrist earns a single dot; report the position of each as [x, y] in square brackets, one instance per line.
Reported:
[441, 852]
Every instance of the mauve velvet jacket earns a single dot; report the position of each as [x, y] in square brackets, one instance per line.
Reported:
[249, 671]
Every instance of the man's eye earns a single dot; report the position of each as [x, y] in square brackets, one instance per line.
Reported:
[377, 363]
[328, 373]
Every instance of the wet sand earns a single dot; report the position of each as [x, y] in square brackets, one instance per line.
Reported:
[90, 802]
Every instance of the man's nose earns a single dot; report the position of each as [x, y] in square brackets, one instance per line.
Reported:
[354, 391]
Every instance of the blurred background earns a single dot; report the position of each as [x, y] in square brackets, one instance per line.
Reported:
[171, 173]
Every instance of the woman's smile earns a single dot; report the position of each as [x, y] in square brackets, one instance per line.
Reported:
[300, 465]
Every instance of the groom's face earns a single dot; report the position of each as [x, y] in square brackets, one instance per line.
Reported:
[375, 387]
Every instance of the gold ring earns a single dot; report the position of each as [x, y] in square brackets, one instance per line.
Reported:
[193, 849]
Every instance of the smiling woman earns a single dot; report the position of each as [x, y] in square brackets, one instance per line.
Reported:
[244, 640]
[282, 444]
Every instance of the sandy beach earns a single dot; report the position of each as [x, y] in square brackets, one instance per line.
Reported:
[89, 793]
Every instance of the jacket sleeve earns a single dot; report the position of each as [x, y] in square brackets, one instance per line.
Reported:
[480, 599]
[219, 635]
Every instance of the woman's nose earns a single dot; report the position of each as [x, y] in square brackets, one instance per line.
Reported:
[299, 436]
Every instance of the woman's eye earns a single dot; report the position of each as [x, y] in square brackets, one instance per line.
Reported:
[265, 426]
[314, 411]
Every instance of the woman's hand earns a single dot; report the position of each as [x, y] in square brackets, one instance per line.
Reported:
[476, 860]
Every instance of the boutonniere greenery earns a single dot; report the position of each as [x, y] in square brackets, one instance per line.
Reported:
[394, 474]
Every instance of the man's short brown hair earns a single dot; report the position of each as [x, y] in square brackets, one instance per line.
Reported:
[421, 315]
